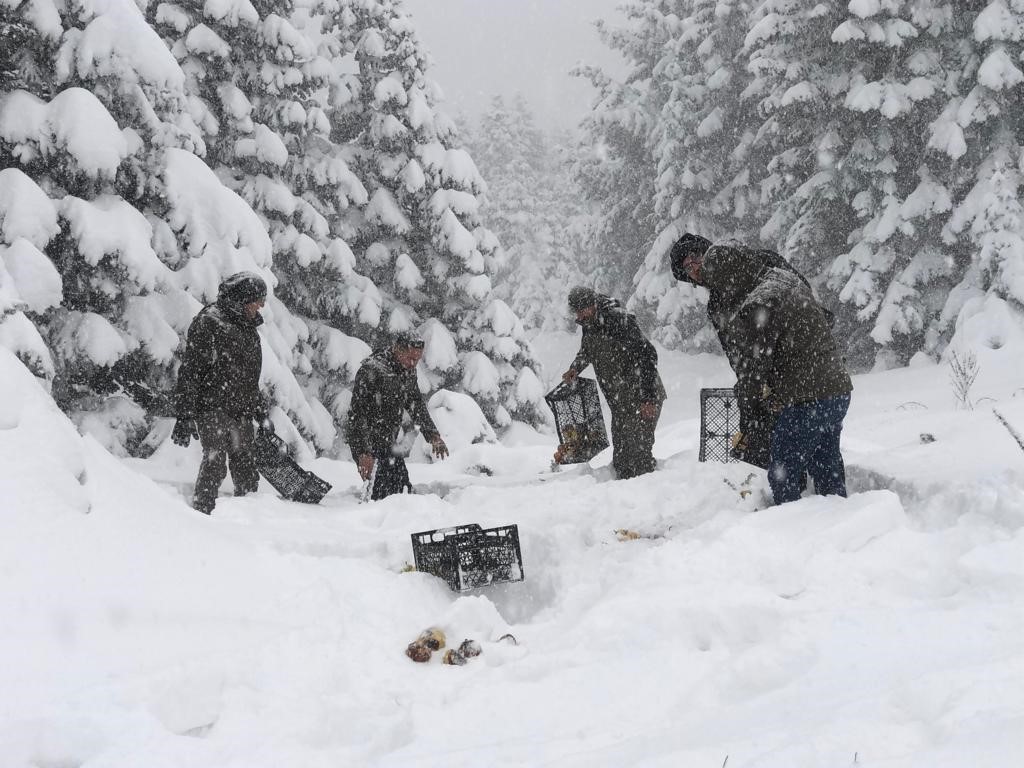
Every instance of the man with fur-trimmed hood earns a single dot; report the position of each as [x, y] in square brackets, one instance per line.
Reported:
[626, 366]
[789, 371]
[218, 396]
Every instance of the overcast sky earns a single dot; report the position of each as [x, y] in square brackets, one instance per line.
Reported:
[485, 47]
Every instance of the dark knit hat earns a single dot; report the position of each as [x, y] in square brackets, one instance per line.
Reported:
[581, 297]
[243, 288]
[687, 245]
[408, 340]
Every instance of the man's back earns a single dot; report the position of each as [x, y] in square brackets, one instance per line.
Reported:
[782, 316]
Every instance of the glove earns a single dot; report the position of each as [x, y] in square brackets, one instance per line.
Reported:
[262, 418]
[184, 431]
[649, 410]
[738, 446]
[365, 465]
[439, 447]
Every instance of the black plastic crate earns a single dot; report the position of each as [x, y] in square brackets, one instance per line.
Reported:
[578, 418]
[289, 479]
[468, 556]
[719, 421]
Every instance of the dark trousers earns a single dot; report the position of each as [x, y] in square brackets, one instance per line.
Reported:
[632, 444]
[756, 425]
[392, 477]
[227, 443]
[806, 439]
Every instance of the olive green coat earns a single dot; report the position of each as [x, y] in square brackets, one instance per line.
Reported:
[779, 339]
[626, 366]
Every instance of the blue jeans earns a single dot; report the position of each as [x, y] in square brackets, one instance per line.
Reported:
[806, 439]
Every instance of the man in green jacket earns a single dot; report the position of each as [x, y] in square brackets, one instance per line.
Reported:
[218, 396]
[752, 445]
[385, 387]
[786, 361]
[626, 366]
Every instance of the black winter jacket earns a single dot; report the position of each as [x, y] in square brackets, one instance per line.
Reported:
[625, 362]
[722, 304]
[778, 337]
[383, 389]
[220, 370]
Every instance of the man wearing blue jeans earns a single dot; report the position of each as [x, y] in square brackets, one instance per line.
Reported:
[785, 360]
[805, 438]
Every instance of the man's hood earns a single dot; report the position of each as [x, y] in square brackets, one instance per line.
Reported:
[685, 245]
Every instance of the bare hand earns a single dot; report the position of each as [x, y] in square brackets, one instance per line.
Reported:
[439, 447]
[649, 411]
[365, 465]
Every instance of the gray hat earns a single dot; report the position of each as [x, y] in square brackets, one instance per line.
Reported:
[581, 297]
[243, 288]
[408, 340]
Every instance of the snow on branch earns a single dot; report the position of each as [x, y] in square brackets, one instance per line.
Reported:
[998, 71]
[20, 335]
[459, 169]
[440, 352]
[384, 211]
[455, 238]
[461, 203]
[145, 317]
[230, 13]
[340, 352]
[204, 41]
[118, 42]
[264, 145]
[480, 377]
[215, 223]
[32, 275]
[407, 274]
[74, 126]
[25, 210]
[109, 226]
[89, 335]
[390, 89]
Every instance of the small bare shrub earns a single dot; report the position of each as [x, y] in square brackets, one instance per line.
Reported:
[963, 370]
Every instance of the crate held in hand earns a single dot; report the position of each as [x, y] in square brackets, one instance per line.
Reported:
[289, 479]
[719, 421]
[578, 418]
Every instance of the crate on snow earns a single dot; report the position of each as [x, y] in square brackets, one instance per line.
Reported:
[468, 556]
[289, 479]
[578, 418]
[719, 421]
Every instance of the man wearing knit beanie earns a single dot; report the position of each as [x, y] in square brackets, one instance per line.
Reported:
[218, 396]
[792, 385]
[626, 366]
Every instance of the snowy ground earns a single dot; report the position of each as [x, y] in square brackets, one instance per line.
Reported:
[881, 630]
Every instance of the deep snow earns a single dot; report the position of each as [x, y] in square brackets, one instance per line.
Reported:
[880, 630]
